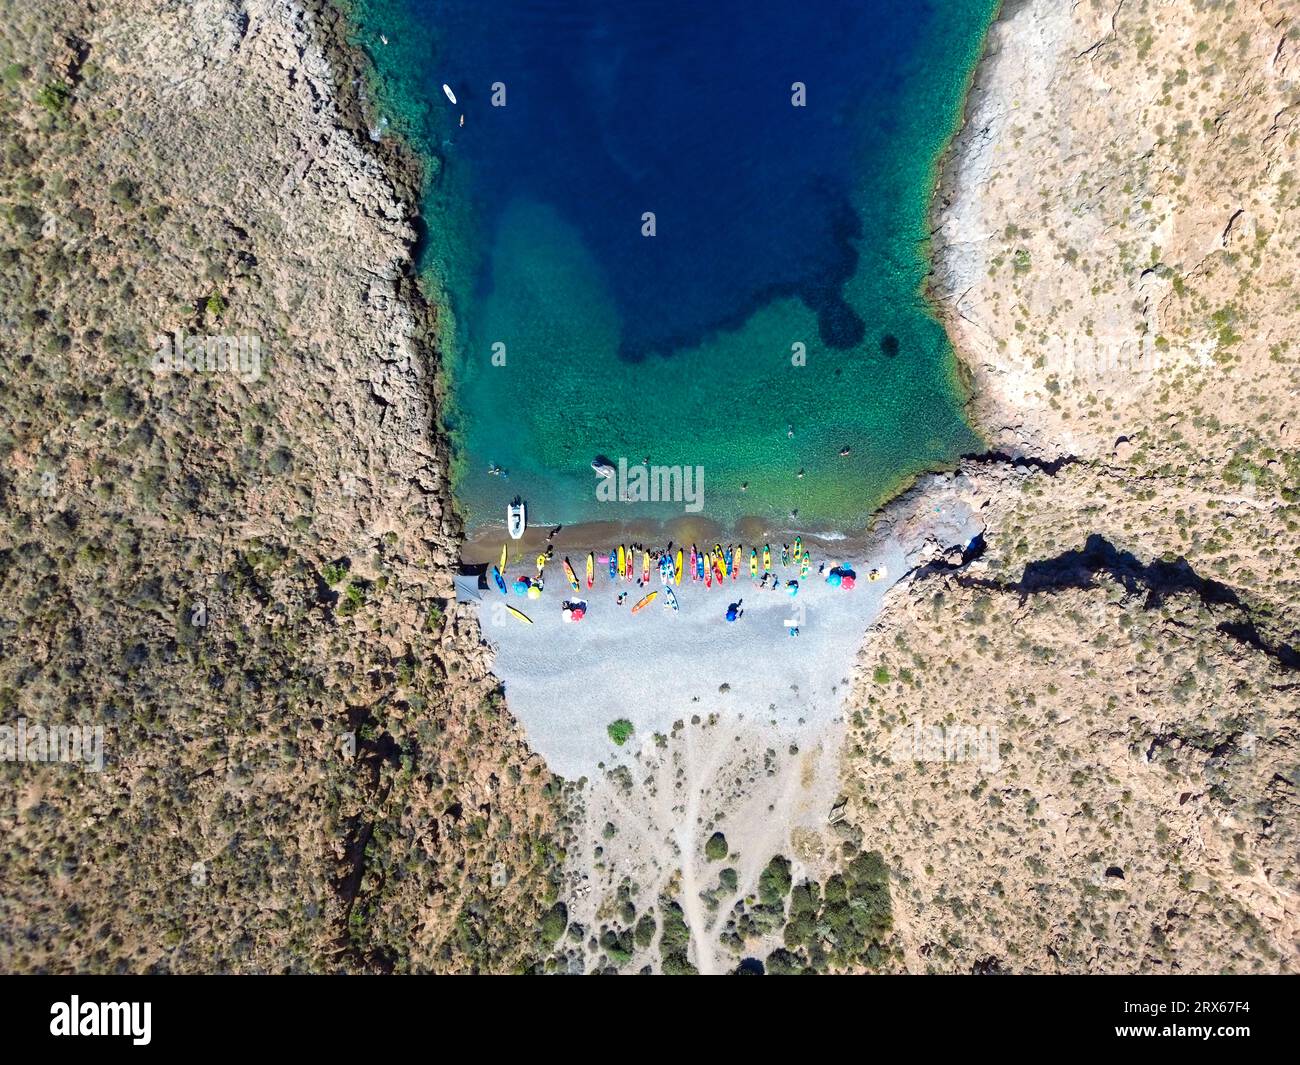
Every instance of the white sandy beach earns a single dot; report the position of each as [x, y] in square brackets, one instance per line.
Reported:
[567, 681]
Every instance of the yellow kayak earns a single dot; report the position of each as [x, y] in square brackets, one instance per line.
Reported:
[645, 566]
[502, 565]
[767, 558]
[621, 558]
[520, 615]
[573, 577]
[541, 564]
[645, 601]
[591, 569]
[680, 559]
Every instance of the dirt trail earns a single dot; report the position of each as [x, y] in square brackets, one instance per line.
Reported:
[766, 787]
[687, 842]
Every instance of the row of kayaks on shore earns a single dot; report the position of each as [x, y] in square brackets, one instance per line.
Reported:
[711, 566]
[677, 567]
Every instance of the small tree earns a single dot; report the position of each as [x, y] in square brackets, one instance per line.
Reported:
[554, 924]
[716, 848]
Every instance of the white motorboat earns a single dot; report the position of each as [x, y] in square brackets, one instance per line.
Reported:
[516, 520]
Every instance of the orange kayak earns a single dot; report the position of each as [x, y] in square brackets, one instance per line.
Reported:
[645, 601]
[573, 577]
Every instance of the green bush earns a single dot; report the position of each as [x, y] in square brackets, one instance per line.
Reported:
[716, 848]
[54, 97]
[774, 881]
[620, 731]
[554, 924]
[782, 962]
[645, 930]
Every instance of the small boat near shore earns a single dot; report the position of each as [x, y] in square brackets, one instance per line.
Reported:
[448, 93]
[603, 466]
[516, 519]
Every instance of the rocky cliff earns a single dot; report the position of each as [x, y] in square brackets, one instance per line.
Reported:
[1116, 245]
[228, 535]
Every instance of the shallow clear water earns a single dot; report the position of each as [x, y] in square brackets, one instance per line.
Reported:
[779, 230]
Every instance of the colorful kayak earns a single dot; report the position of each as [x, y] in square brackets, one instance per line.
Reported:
[735, 562]
[678, 571]
[805, 565]
[645, 601]
[697, 568]
[613, 563]
[621, 558]
[670, 598]
[573, 577]
[767, 558]
[645, 567]
[520, 615]
[718, 571]
[753, 562]
[502, 564]
[591, 569]
[631, 563]
[500, 581]
[541, 564]
[708, 569]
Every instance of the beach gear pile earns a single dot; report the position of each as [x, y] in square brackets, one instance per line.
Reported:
[841, 577]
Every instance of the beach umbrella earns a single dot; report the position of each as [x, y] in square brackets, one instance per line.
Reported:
[579, 614]
[792, 587]
[566, 614]
[833, 578]
[534, 592]
[848, 582]
[521, 587]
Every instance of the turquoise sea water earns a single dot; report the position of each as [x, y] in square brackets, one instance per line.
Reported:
[780, 231]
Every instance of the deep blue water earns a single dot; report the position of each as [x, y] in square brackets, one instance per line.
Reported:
[685, 110]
